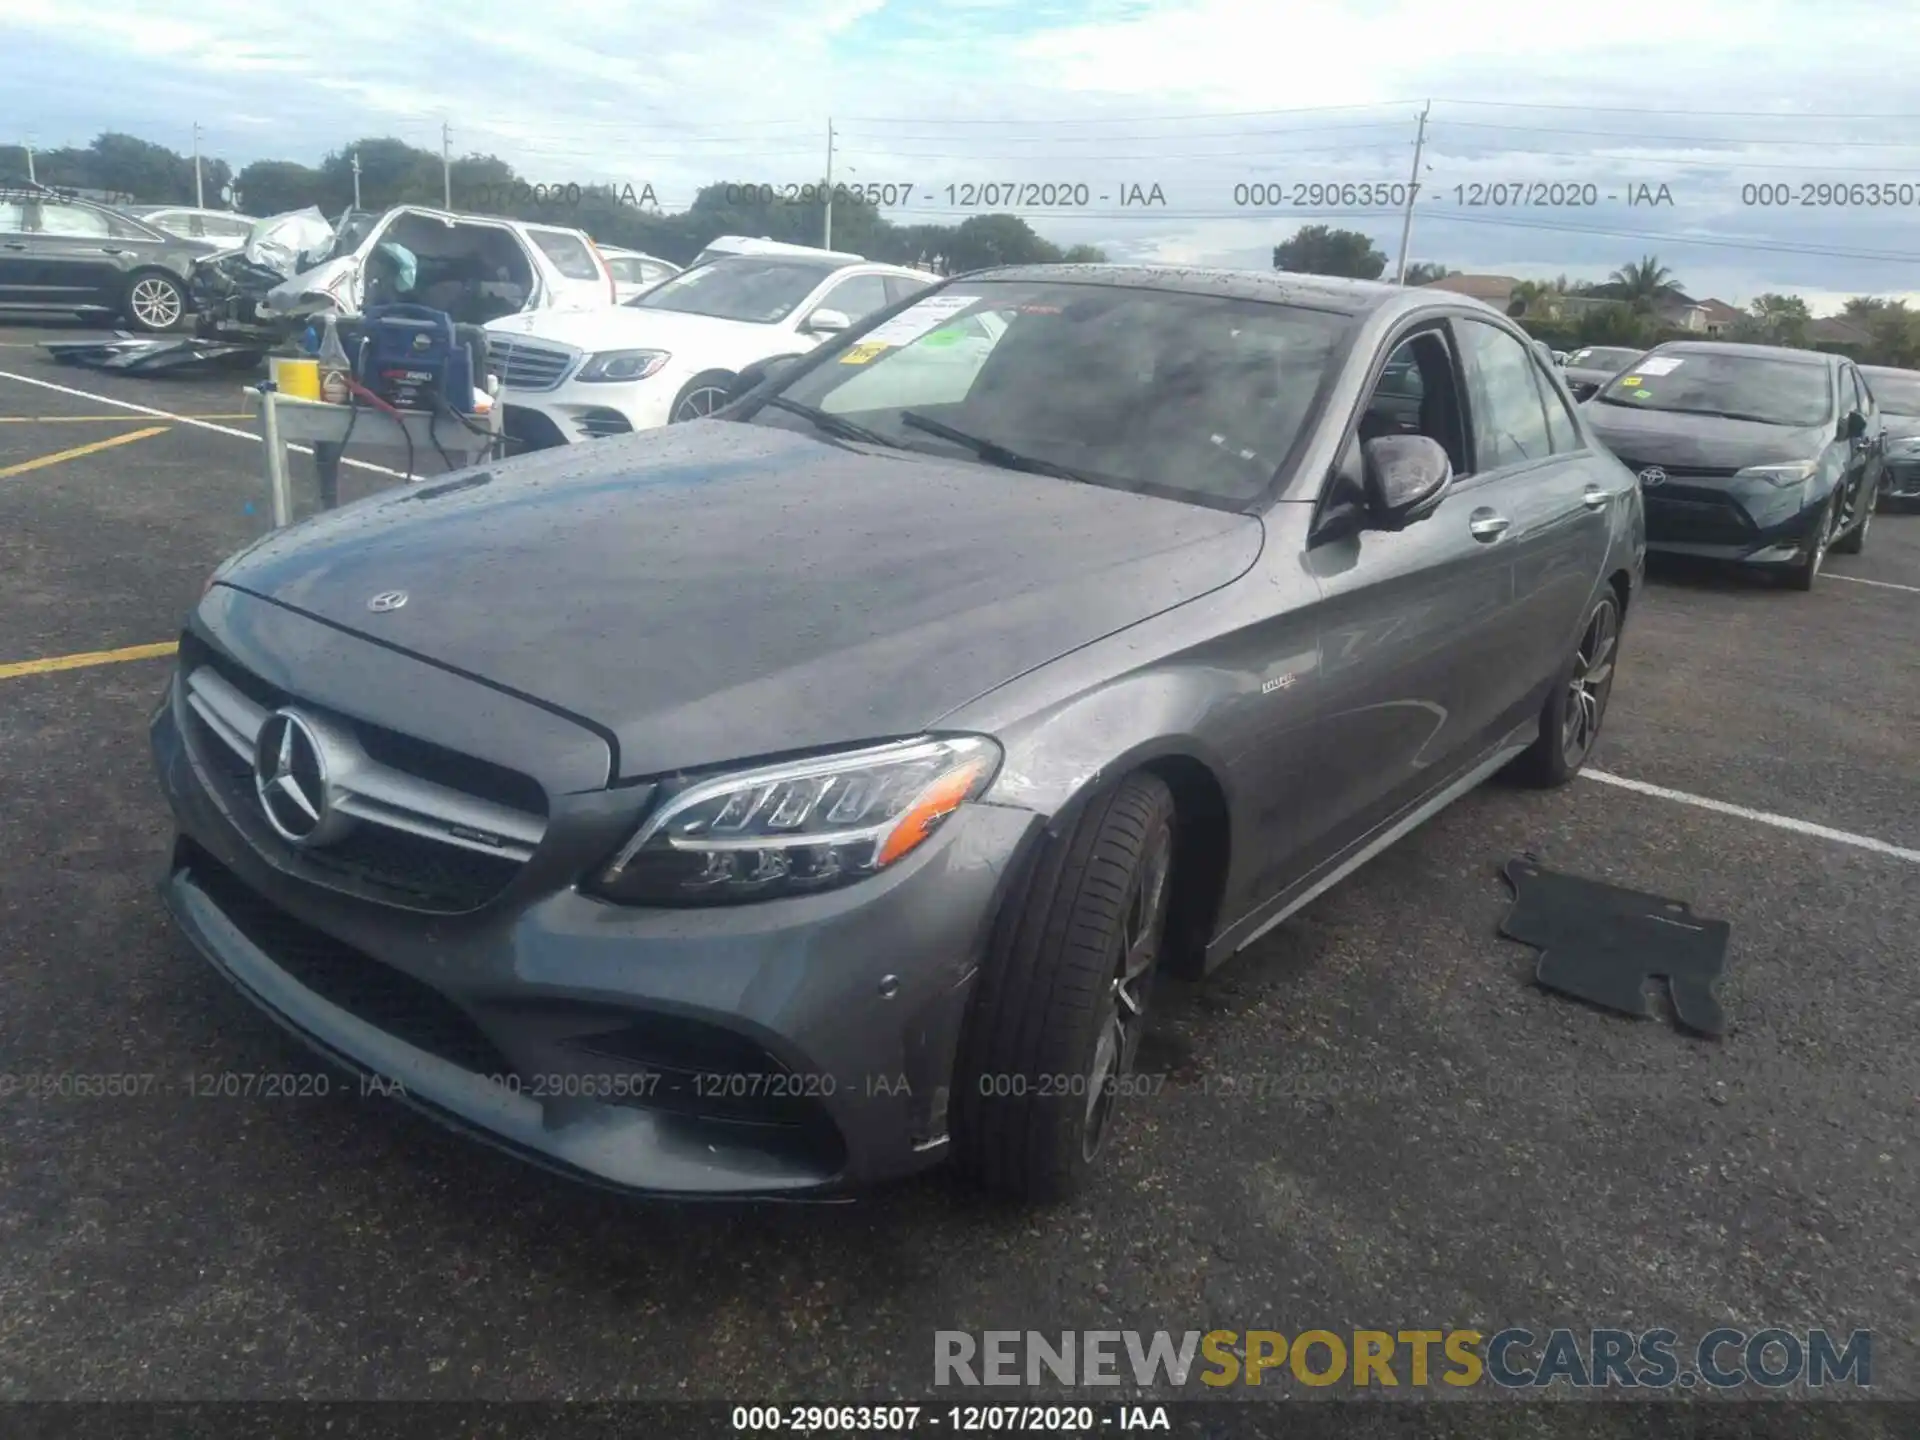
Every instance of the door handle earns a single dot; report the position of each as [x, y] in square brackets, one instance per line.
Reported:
[15, 245]
[1486, 526]
[1594, 497]
[111, 250]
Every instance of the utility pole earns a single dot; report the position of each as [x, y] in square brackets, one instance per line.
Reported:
[356, 177]
[1413, 193]
[199, 190]
[446, 163]
[29, 148]
[826, 239]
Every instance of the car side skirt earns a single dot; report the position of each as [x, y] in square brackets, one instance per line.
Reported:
[1309, 889]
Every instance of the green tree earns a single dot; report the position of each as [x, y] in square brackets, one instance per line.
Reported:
[271, 187]
[1321, 250]
[1421, 272]
[1537, 298]
[1779, 320]
[985, 240]
[1083, 255]
[1644, 283]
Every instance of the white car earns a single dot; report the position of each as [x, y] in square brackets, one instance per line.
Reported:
[671, 354]
[223, 225]
[473, 267]
[635, 272]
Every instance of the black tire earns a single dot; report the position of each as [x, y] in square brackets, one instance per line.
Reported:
[709, 387]
[1568, 734]
[1855, 540]
[153, 295]
[1058, 997]
[1804, 573]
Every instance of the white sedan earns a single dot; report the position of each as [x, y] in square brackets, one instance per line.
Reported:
[670, 355]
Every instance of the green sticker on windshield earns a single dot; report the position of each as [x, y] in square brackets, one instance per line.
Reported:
[945, 337]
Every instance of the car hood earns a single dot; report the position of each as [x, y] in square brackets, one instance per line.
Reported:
[1899, 427]
[1587, 375]
[1700, 442]
[622, 327]
[720, 591]
[291, 296]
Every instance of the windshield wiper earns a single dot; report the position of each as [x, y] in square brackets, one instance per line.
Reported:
[833, 424]
[1736, 415]
[992, 451]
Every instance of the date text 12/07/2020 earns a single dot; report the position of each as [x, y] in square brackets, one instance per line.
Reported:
[962, 195]
[1476, 195]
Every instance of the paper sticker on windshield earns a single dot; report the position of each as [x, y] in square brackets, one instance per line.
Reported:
[916, 320]
[1659, 365]
[1631, 382]
[863, 352]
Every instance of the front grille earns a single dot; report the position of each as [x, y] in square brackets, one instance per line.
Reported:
[383, 997]
[598, 424]
[527, 364]
[384, 857]
[1679, 473]
[1696, 519]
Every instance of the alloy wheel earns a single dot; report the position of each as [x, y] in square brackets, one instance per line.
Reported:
[1590, 684]
[699, 403]
[1123, 1016]
[155, 303]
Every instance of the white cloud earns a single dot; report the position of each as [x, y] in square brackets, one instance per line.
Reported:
[669, 95]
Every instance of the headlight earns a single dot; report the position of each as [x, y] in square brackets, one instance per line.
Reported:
[623, 365]
[804, 826]
[1781, 475]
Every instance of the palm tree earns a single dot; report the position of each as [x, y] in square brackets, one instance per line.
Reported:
[1645, 283]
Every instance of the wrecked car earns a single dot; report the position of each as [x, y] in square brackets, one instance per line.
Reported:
[474, 268]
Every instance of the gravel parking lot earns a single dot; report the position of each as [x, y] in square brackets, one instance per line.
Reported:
[1372, 1119]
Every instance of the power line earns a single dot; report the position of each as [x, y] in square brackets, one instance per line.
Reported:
[1827, 144]
[1134, 119]
[1242, 134]
[1643, 110]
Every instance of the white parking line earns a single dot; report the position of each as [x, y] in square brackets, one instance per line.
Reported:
[1882, 584]
[182, 420]
[1764, 817]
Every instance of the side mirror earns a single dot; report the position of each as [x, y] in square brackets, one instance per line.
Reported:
[1405, 479]
[1856, 425]
[752, 376]
[826, 322]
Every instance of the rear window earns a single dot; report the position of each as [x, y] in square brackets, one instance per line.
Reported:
[569, 253]
[1898, 394]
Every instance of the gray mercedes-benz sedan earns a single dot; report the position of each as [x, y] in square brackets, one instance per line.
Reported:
[783, 801]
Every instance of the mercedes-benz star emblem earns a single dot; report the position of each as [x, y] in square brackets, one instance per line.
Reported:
[290, 774]
[387, 600]
[1653, 475]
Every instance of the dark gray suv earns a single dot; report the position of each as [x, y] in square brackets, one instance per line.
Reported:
[791, 799]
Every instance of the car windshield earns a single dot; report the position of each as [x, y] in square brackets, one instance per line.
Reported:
[1191, 397]
[762, 291]
[1742, 387]
[1897, 394]
[349, 233]
[1598, 357]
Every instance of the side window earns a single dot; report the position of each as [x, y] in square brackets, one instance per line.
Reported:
[1561, 430]
[1509, 421]
[73, 220]
[1415, 395]
[568, 253]
[857, 297]
[1862, 397]
[652, 273]
[626, 271]
[899, 287]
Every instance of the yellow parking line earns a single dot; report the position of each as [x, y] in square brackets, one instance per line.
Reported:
[123, 419]
[7, 472]
[91, 657]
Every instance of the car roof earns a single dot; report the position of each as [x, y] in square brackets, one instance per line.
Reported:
[1748, 351]
[1888, 370]
[1279, 287]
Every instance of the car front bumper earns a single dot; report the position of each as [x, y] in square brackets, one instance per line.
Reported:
[1902, 480]
[1726, 518]
[590, 410]
[792, 1048]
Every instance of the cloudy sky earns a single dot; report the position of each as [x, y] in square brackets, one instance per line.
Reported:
[1728, 105]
